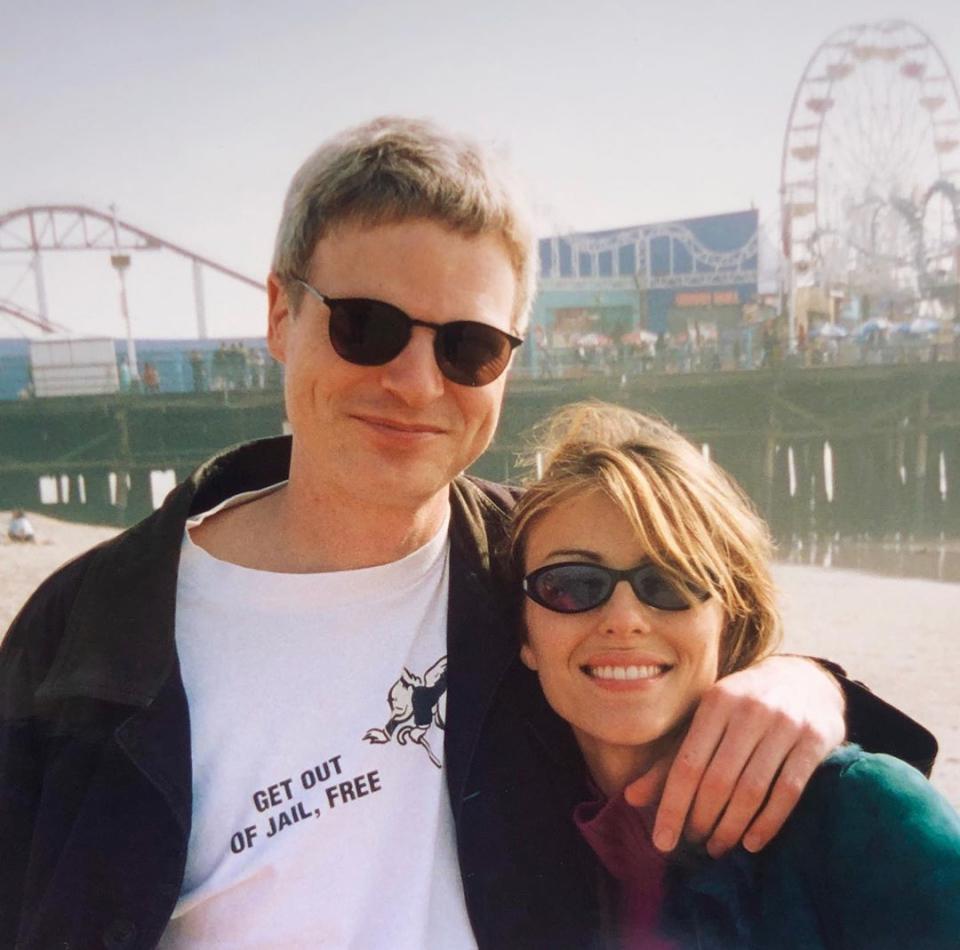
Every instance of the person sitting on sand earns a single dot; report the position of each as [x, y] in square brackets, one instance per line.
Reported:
[871, 855]
[20, 528]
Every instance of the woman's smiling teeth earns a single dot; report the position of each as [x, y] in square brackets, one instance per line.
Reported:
[624, 672]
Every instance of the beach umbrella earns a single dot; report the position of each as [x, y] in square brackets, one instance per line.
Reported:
[874, 324]
[638, 337]
[921, 326]
[829, 331]
[594, 339]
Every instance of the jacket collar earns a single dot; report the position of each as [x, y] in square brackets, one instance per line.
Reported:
[118, 644]
[480, 626]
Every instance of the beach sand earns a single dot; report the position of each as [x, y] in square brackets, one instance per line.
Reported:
[900, 636]
[24, 565]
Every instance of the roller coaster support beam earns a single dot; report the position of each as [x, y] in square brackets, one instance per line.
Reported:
[199, 300]
[41, 287]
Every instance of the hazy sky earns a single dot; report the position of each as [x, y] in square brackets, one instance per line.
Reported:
[191, 115]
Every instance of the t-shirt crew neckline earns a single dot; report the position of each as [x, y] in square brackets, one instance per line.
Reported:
[330, 588]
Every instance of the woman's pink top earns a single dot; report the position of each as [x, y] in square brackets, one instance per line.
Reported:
[621, 837]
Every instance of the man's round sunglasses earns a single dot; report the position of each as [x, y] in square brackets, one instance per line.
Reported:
[573, 587]
[372, 333]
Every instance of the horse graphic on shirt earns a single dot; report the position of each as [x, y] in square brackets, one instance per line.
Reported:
[421, 699]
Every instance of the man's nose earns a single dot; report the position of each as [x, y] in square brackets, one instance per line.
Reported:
[413, 375]
[624, 613]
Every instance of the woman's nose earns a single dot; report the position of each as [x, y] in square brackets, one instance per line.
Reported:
[624, 613]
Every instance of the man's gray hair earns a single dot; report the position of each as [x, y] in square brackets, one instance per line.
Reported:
[394, 169]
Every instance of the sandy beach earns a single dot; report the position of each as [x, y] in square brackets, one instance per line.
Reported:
[24, 566]
[900, 636]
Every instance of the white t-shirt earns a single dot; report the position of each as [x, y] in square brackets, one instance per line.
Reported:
[317, 701]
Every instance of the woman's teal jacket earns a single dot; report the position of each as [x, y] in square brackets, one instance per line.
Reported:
[870, 858]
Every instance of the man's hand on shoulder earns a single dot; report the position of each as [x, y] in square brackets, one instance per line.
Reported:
[755, 740]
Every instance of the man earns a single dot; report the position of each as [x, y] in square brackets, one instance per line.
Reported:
[20, 529]
[287, 710]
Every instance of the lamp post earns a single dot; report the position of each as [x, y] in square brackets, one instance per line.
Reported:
[120, 263]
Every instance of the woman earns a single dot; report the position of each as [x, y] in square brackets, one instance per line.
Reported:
[870, 857]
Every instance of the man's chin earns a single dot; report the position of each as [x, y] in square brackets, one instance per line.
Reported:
[393, 484]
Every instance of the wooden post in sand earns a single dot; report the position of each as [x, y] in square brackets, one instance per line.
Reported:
[920, 462]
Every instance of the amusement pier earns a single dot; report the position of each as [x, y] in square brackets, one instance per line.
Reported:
[814, 354]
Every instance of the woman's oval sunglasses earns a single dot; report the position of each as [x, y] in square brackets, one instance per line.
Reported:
[573, 587]
[372, 333]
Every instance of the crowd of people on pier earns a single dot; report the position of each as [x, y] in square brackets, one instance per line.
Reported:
[232, 367]
[754, 346]
[699, 347]
[236, 367]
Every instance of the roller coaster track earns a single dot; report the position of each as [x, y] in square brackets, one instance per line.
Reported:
[41, 228]
[709, 266]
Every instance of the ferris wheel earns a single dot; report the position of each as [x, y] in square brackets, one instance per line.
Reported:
[870, 173]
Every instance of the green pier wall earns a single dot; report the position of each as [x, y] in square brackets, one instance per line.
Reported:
[893, 433]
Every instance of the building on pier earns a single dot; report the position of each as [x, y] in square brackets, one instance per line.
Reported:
[677, 277]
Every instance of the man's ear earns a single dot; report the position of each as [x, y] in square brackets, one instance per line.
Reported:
[279, 315]
[528, 657]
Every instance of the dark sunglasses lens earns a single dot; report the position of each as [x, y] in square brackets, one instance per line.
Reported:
[471, 354]
[570, 588]
[654, 589]
[367, 332]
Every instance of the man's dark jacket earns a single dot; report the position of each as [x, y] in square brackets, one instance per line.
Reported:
[95, 770]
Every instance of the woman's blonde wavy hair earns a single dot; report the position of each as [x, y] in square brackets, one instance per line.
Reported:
[692, 519]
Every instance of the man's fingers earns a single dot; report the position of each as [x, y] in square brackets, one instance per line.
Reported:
[752, 788]
[721, 778]
[691, 761]
[792, 780]
[743, 736]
